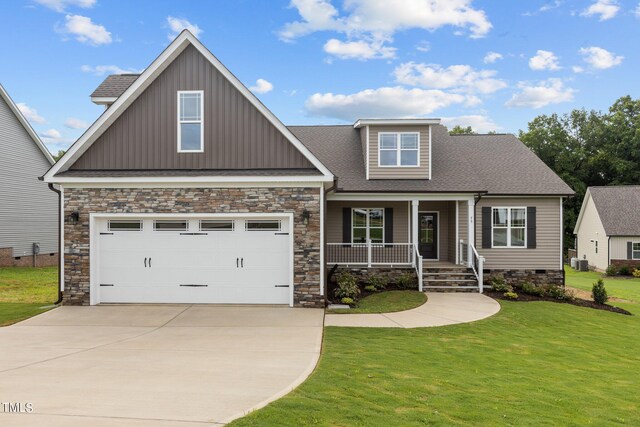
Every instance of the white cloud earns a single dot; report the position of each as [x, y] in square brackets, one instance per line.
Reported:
[382, 102]
[101, 70]
[546, 92]
[544, 60]
[577, 69]
[423, 46]
[176, 25]
[51, 133]
[85, 30]
[478, 123]
[600, 58]
[261, 86]
[459, 78]
[545, 8]
[73, 123]
[492, 57]
[606, 9]
[31, 114]
[361, 49]
[61, 5]
[636, 11]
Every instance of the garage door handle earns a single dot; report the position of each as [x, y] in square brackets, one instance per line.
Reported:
[237, 262]
[149, 262]
[242, 262]
[145, 262]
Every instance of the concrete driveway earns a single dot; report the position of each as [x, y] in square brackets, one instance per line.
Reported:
[154, 364]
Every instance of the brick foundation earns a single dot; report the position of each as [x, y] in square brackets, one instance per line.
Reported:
[41, 260]
[536, 277]
[195, 200]
[631, 263]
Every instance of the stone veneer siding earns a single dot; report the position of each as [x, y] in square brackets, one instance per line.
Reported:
[306, 239]
[518, 277]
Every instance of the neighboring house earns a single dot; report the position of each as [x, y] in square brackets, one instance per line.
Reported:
[188, 189]
[608, 227]
[28, 209]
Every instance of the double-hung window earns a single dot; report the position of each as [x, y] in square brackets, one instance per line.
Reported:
[366, 224]
[190, 123]
[509, 227]
[398, 148]
[635, 250]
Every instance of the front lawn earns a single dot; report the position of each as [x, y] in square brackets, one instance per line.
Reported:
[534, 363]
[24, 291]
[621, 287]
[387, 302]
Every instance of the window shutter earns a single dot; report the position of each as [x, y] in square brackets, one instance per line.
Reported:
[486, 227]
[388, 225]
[531, 227]
[346, 225]
[629, 250]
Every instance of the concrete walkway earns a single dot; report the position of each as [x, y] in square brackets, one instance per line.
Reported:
[440, 309]
[154, 365]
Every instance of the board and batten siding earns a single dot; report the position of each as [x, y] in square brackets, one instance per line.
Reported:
[463, 221]
[545, 256]
[591, 228]
[400, 219]
[28, 209]
[377, 172]
[236, 134]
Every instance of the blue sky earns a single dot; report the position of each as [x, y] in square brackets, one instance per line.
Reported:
[493, 65]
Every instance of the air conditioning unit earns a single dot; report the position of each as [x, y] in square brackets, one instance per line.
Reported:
[583, 265]
[574, 263]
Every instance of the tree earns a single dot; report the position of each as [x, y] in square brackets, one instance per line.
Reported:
[57, 157]
[459, 130]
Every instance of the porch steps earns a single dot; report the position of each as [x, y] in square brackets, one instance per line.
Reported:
[449, 279]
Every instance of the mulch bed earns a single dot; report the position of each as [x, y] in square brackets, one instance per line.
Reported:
[576, 301]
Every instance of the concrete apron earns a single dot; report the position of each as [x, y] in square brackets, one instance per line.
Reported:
[154, 364]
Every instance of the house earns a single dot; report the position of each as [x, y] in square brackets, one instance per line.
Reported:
[28, 210]
[188, 189]
[608, 227]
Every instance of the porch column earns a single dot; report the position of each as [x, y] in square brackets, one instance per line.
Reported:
[414, 221]
[471, 231]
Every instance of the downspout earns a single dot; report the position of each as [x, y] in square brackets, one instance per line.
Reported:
[52, 188]
[324, 242]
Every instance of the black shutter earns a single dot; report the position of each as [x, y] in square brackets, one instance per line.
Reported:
[531, 227]
[388, 225]
[346, 225]
[486, 227]
[629, 250]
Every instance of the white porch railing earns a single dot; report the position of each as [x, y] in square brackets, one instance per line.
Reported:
[370, 254]
[469, 256]
[417, 264]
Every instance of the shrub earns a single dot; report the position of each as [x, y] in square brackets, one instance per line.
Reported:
[531, 289]
[347, 286]
[370, 288]
[378, 282]
[599, 293]
[406, 281]
[499, 284]
[611, 270]
[636, 272]
[347, 300]
[624, 270]
[510, 295]
[558, 292]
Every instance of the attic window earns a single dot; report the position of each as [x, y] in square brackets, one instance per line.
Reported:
[398, 149]
[190, 123]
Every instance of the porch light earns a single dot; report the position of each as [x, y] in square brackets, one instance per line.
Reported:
[305, 216]
[74, 217]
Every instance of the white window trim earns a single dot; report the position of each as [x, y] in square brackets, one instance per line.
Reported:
[437, 234]
[508, 227]
[109, 228]
[367, 226]
[632, 250]
[175, 221]
[233, 225]
[201, 121]
[398, 149]
[247, 222]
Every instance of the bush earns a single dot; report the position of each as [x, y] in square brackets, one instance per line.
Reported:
[624, 270]
[347, 300]
[559, 293]
[370, 288]
[599, 293]
[510, 295]
[406, 281]
[499, 284]
[636, 272]
[378, 282]
[611, 270]
[531, 289]
[347, 286]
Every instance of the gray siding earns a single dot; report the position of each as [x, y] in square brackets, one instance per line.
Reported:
[591, 228]
[463, 221]
[546, 255]
[377, 172]
[619, 246]
[28, 209]
[236, 134]
[400, 219]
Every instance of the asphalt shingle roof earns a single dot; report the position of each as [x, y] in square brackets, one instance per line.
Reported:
[114, 85]
[618, 208]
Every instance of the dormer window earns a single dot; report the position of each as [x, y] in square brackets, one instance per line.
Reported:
[398, 149]
[190, 123]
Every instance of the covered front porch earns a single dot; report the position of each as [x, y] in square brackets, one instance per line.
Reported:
[427, 233]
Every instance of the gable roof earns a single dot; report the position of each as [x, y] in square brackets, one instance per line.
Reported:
[174, 49]
[618, 208]
[494, 164]
[25, 123]
[114, 85]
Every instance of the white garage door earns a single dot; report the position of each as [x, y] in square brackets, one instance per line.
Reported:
[194, 260]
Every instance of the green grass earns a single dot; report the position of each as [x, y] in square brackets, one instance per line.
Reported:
[24, 291]
[387, 302]
[621, 287]
[532, 364]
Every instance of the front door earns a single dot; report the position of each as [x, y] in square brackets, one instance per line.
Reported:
[428, 235]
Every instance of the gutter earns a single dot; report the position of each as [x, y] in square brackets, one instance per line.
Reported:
[324, 243]
[52, 188]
